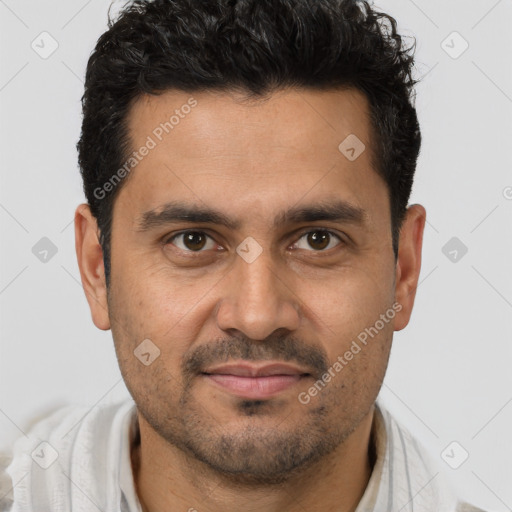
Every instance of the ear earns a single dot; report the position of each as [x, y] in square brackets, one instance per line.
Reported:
[90, 261]
[408, 264]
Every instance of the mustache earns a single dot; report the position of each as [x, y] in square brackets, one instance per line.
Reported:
[280, 347]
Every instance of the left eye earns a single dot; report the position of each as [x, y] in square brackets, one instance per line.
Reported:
[319, 240]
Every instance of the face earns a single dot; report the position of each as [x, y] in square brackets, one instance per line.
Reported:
[254, 289]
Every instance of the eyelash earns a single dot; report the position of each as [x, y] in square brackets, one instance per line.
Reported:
[302, 234]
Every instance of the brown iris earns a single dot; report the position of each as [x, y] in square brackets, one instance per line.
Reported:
[194, 240]
[318, 239]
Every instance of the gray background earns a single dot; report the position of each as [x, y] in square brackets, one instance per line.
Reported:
[449, 378]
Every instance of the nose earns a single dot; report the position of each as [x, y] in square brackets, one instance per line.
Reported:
[257, 300]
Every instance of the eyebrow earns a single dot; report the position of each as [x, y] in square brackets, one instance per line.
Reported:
[173, 212]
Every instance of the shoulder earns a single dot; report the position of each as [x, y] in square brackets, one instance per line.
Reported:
[6, 496]
[64, 423]
[466, 507]
[55, 435]
[410, 465]
[38, 427]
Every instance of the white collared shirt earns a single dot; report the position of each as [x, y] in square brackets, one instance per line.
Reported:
[78, 460]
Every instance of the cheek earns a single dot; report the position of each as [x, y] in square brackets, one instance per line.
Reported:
[359, 363]
[158, 300]
[158, 316]
[141, 332]
[357, 318]
[354, 301]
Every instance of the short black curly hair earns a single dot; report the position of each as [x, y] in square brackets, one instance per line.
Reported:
[254, 46]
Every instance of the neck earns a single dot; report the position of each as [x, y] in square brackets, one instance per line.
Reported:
[168, 479]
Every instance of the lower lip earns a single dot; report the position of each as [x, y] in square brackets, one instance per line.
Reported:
[254, 387]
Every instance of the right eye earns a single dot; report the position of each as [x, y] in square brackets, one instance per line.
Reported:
[191, 241]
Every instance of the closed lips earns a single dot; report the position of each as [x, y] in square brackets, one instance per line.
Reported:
[243, 370]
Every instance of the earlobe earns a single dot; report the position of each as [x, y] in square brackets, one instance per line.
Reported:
[409, 263]
[90, 262]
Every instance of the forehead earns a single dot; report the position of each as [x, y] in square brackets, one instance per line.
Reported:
[293, 119]
[218, 148]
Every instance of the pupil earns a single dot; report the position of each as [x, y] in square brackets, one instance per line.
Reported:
[193, 241]
[318, 236]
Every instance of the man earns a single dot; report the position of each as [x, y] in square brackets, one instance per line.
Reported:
[247, 239]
